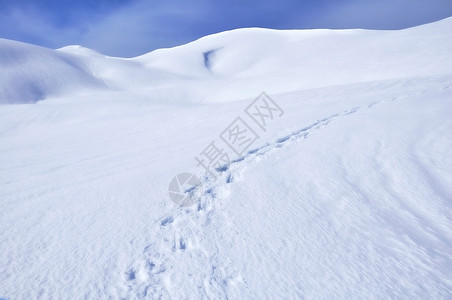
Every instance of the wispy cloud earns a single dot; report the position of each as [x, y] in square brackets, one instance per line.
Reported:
[145, 25]
[133, 27]
[34, 26]
[382, 14]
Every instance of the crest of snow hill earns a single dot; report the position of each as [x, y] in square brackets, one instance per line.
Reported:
[230, 65]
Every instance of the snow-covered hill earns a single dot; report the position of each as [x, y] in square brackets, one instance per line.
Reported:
[346, 193]
[30, 73]
[230, 65]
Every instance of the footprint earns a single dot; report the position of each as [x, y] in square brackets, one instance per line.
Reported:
[229, 179]
[167, 221]
[131, 275]
[182, 245]
[179, 244]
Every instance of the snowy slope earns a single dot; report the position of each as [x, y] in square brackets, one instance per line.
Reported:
[346, 195]
[241, 63]
[230, 65]
[30, 73]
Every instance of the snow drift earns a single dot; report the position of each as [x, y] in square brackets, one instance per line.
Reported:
[30, 73]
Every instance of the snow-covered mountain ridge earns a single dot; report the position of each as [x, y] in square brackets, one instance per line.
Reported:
[212, 68]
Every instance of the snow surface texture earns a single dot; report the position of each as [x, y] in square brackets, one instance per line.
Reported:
[348, 195]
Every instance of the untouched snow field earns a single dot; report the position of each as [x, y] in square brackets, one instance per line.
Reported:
[346, 194]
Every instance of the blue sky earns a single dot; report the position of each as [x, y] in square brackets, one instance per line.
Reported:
[131, 27]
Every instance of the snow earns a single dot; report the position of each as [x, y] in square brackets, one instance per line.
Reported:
[31, 73]
[346, 195]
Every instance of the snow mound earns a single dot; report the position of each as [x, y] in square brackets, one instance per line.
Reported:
[79, 50]
[254, 59]
[31, 73]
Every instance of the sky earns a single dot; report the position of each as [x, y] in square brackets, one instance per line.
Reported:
[128, 28]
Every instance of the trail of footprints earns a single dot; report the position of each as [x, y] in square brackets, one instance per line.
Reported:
[191, 236]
